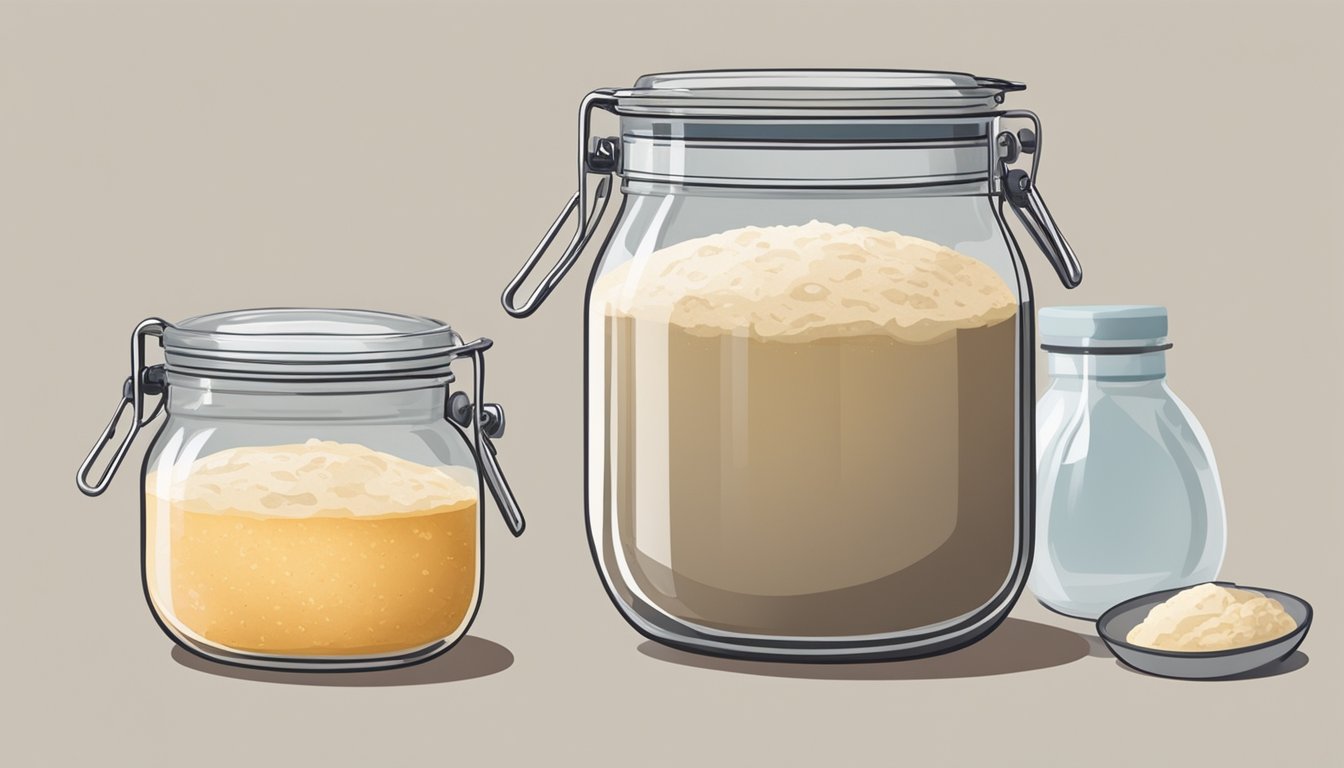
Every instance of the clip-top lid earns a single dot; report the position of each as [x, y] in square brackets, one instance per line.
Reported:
[810, 92]
[310, 345]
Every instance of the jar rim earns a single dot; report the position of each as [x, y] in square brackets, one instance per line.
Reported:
[291, 343]
[809, 93]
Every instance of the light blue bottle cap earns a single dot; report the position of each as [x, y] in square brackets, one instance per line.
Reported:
[1117, 326]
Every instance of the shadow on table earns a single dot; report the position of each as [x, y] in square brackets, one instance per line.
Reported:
[1096, 648]
[1293, 663]
[472, 657]
[1016, 646]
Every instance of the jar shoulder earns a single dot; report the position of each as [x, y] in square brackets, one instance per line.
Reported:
[971, 224]
[182, 440]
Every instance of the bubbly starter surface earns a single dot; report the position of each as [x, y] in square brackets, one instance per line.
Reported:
[315, 549]
[809, 429]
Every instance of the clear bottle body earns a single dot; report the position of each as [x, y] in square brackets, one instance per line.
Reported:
[306, 526]
[1128, 496]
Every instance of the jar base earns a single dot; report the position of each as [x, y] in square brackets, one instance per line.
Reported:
[839, 650]
[315, 664]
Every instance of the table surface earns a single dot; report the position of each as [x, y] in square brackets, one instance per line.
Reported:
[545, 676]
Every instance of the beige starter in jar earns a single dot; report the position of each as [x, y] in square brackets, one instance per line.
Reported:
[319, 548]
[809, 422]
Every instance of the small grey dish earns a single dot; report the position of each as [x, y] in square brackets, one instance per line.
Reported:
[1115, 624]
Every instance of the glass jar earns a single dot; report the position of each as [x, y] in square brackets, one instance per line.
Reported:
[809, 358]
[1128, 497]
[312, 500]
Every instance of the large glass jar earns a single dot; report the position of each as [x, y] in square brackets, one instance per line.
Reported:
[809, 359]
[1128, 497]
[312, 500]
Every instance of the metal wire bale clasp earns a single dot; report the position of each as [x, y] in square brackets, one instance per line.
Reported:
[142, 381]
[487, 421]
[1019, 189]
[602, 158]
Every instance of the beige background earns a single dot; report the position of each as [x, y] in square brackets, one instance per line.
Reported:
[179, 158]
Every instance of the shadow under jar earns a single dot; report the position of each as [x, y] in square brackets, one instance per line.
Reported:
[312, 500]
[809, 359]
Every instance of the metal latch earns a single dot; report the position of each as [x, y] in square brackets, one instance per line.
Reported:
[1019, 189]
[602, 157]
[143, 381]
[487, 420]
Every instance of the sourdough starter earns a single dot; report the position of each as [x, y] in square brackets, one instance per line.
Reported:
[318, 548]
[809, 429]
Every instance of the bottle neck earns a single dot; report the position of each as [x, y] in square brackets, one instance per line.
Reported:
[1145, 366]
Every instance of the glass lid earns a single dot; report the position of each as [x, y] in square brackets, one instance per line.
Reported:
[304, 343]
[817, 92]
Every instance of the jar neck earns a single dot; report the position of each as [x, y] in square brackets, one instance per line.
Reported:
[1145, 366]
[215, 399]
[685, 187]
[828, 154]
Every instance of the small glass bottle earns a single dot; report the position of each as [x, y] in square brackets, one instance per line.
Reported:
[1127, 497]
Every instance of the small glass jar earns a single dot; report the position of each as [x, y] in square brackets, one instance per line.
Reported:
[809, 348]
[1127, 494]
[312, 500]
